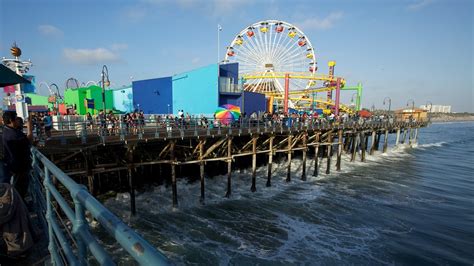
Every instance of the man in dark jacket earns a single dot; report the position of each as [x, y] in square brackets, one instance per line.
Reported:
[16, 151]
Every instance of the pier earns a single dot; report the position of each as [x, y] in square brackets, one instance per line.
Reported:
[158, 153]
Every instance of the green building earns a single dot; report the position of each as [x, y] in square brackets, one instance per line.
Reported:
[75, 98]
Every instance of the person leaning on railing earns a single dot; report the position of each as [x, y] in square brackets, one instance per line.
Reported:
[16, 150]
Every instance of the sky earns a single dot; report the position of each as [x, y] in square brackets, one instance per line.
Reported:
[419, 50]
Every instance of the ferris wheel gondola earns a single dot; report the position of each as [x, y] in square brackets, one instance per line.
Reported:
[269, 47]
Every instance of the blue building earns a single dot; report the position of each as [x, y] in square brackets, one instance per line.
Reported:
[199, 91]
[153, 96]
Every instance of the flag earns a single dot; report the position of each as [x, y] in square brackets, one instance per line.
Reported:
[89, 103]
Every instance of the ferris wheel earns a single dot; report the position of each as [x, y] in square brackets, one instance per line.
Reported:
[269, 47]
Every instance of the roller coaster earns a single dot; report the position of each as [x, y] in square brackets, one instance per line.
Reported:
[274, 58]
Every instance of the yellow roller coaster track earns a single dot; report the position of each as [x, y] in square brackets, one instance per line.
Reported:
[293, 75]
[342, 107]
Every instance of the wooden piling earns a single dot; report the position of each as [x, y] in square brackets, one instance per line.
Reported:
[397, 140]
[339, 150]
[270, 161]
[305, 147]
[288, 173]
[355, 144]
[254, 163]
[229, 167]
[130, 168]
[404, 136]
[409, 136]
[385, 141]
[415, 138]
[316, 155]
[173, 173]
[377, 140]
[328, 155]
[201, 170]
[363, 144]
[372, 142]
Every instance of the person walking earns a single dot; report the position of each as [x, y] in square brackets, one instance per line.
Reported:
[16, 151]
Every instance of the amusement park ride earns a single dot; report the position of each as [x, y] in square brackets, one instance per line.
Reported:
[277, 59]
[20, 67]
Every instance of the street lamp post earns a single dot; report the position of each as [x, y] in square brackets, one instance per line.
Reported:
[352, 99]
[56, 96]
[429, 110]
[412, 107]
[389, 103]
[105, 82]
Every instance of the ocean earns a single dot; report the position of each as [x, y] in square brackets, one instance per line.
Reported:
[411, 205]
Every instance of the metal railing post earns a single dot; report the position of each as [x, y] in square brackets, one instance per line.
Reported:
[77, 224]
[49, 217]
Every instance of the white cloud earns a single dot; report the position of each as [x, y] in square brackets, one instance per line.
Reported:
[119, 46]
[196, 60]
[216, 8]
[50, 30]
[419, 5]
[136, 13]
[320, 24]
[90, 56]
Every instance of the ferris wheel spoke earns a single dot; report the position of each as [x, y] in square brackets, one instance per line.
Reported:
[291, 58]
[250, 50]
[252, 55]
[290, 50]
[276, 43]
[284, 47]
[253, 45]
[258, 45]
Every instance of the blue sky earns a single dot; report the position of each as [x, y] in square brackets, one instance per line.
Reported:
[406, 49]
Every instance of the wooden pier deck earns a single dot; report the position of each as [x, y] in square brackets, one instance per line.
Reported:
[90, 157]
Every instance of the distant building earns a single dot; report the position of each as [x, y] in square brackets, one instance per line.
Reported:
[411, 114]
[437, 108]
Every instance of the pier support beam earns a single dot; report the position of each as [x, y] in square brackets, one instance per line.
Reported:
[397, 140]
[372, 143]
[328, 155]
[229, 167]
[404, 138]
[173, 174]
[288, 173]
[377, 140]
[316, 155]
[270, 161]
[385, 141]
[130, 170]
[339, 150]
[201, 170]
[415, 138]
[363, 144]
[305, 147]
[254, 163]
[355, 144]
[410, 133]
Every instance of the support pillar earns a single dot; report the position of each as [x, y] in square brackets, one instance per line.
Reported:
[316, 155]
[229, 167]
[398, 137]
[270, 161]
[305, 138]
[372, 143]
[385, 141]
[254, 163]
[173, 174]
[328, 155]
[339, 150]
[201, 170]
[288, 173]
[130, 169]
[355, 144]
[363, 144]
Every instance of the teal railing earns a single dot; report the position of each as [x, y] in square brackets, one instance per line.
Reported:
[74, 245]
